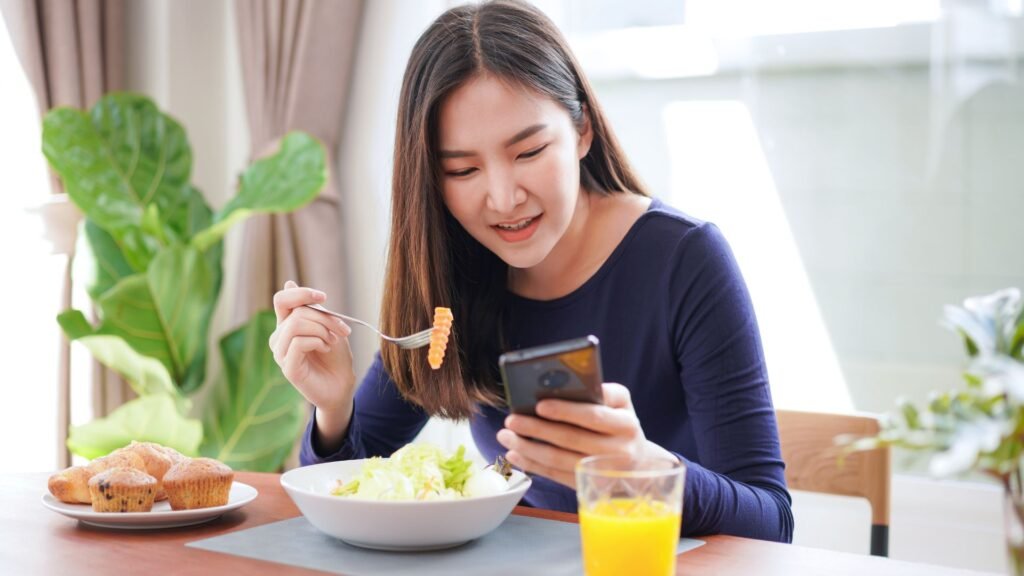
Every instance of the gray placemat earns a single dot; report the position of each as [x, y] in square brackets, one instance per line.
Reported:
[521, 545]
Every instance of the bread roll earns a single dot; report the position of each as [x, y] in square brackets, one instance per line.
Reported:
[71, 485]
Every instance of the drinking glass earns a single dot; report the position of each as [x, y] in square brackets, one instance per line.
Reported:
[630, 512]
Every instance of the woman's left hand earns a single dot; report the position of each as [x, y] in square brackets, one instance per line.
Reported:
[573, 431]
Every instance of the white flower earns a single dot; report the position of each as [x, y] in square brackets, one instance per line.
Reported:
[989, 321]
[959, 458]
[971, 439]
[1000, 375]
[1003, 303]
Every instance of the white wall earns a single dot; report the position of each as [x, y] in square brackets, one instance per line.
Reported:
[885, 238]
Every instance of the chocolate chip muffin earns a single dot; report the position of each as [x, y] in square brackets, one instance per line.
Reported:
[122, 490]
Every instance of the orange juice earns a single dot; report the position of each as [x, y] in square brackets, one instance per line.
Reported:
[629, 536]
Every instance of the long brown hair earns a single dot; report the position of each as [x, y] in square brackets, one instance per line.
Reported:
[432, 260]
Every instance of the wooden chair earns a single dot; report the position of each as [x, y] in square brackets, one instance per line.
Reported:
[811, 456]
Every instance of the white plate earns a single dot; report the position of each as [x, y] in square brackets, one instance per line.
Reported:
[161, 516]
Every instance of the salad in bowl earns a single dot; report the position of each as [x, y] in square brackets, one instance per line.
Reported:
[420, 498]
[424, 472]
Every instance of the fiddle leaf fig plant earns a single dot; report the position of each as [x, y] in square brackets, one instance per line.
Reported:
[158, 250]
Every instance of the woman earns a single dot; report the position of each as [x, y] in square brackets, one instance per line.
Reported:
[514, 205]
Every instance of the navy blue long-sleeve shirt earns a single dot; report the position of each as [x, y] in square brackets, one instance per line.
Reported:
[677, 328]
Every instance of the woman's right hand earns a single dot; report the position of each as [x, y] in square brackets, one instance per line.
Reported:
[313, 352]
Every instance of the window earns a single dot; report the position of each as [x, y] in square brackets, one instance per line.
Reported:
[32, 277]
[864, 159]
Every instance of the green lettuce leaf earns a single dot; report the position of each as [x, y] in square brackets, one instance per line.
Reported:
[457, 469]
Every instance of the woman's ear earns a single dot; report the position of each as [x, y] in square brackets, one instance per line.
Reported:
[586, 135]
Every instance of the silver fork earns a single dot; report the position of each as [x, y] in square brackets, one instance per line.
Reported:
[412, 341]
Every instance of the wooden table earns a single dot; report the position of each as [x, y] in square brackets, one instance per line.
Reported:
[34, 540]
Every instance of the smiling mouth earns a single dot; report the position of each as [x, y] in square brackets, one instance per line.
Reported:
[517, 226]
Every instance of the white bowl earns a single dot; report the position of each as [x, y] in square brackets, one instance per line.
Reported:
[395, 525]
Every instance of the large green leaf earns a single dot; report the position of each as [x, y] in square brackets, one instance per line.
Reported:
[288, 180]
[150, 418]
[128, 311]
[254, 415]
[163, 314]
[117, 162]
[195, 374]
[198, 218]
[182, 288]
[192, 215]
[111, 265]
[145, 374]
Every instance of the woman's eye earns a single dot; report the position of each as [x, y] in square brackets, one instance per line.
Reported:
[460, 173]
[533, 152]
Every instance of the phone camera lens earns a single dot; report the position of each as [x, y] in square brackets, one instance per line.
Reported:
[554, 379]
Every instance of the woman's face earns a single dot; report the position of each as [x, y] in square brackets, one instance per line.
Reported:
[510, 161]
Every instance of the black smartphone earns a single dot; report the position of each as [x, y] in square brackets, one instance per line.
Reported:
[569, 370]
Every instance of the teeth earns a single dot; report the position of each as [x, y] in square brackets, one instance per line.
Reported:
[514, 227]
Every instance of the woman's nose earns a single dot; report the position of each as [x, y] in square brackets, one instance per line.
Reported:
[503, 195]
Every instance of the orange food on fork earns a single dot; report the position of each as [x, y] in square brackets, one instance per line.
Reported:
[439, 336]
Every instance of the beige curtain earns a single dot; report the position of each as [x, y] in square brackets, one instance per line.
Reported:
[72, 52]
[296, 62]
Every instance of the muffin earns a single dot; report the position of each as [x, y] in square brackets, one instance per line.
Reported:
[71, 485]
[155, 459]
[198, 483]
[117, 460]
[122, 489]
[173, 454]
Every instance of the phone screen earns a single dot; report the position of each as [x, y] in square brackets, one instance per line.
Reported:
[569, 370]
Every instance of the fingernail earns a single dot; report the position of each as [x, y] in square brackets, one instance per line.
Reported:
[319, 296]
[504, 437]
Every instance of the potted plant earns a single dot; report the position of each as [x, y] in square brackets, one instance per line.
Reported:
[979, 427]
[158, 250]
